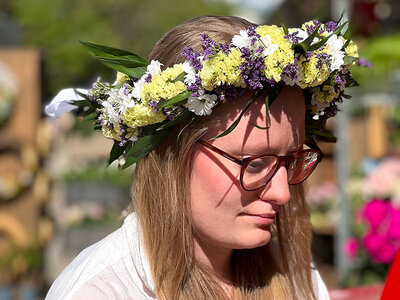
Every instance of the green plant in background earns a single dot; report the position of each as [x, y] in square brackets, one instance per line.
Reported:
[99, 173]
[56, 26]
[383, 53]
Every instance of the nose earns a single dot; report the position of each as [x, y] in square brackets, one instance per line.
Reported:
[277, 190]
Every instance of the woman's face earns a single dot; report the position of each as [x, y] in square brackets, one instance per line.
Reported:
[225, 216]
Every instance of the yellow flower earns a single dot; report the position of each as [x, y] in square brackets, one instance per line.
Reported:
[161, 85]
[351, 49]
[312, 75]
[281, 57]
[222, 69]
[122, 78]
[142, 115]
[114, 133]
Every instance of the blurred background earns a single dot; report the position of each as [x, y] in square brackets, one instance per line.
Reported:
[57, 197]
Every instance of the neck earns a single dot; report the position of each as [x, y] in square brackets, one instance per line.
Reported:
[217, 259]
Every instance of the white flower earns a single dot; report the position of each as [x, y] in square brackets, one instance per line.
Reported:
[62, 102]
[121, 99]
[335, 46]
[203, 104]
[302, 35]
[190, 76]
[266, 43]
[154, 68]
[110, 112]
[137, 88]
[242, 40]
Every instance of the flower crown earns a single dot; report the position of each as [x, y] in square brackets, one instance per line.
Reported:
[145, 102]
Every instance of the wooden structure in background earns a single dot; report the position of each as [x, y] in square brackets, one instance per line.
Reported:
[22, 144]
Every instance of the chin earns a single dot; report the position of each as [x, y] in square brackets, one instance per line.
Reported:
[255, 240]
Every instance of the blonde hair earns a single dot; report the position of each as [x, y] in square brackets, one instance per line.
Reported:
[160, 193]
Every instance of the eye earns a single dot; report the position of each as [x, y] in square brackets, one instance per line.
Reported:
[261, 164]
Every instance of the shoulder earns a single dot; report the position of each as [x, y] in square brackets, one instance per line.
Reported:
[113, 268]
[319, 286]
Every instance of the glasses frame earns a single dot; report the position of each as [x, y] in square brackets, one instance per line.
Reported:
[282, 160]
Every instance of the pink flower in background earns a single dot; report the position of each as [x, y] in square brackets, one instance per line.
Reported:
[393, 231]
[385, 254]
[373, 242]
[376, 211]
[351, 248]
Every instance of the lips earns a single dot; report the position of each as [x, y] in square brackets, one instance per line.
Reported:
[262, 219]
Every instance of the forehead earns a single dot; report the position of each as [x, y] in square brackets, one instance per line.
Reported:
[287, 124]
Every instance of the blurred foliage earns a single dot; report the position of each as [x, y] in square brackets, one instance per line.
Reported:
[383, 52]
[56, 27]
[98, 173]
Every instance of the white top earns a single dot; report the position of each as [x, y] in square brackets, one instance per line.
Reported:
[117, 268]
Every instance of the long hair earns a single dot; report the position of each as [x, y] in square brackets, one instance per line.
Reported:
[161, 199]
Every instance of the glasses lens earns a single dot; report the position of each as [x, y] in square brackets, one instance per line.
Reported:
[258, 171]
[302, 166]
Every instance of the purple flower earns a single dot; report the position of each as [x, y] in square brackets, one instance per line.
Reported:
[193, 58]
[148, 78]
[153, 104]
[251, 70]
[362, 62]
[293, 37]
[310, 28]
[331, 26]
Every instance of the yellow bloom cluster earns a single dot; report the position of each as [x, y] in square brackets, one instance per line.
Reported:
[312, 75]
[281, 57]
[351, 49]
[326, 94]
[162, 87]
[141, 115]
[222, 69]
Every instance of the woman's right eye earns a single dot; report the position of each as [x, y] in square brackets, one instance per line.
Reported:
[257, 165]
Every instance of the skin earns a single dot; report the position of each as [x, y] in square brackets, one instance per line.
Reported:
[225, 216]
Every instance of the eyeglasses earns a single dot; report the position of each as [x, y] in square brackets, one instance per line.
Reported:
[257, 171]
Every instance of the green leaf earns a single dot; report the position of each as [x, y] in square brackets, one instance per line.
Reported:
[175, 100]
[109, 52]
[183, 116]
[325, 39]
[234, 124]
[186, 126]
[285, 30]
[149, 139]
[180, 77]
[136, 72]
[349, 59]
[116, 151]
[304, 46]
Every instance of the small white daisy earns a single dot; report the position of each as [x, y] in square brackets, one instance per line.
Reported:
[335, 46]
[203, 104]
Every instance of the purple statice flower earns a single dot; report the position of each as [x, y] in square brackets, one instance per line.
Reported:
[292, 37]
[308, 55]
[251, 70]
[323, 58]
[251, 32]
[311, 28]
[153, 104]
[193, 58]
[331, 26]
[340, 81]
[291, 71]
[168, 113]
[98, 92]
[211, 47]
[196, 85]
[362, 62]
[148, 78]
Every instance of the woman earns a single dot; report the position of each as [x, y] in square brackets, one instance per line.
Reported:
[218, 205]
